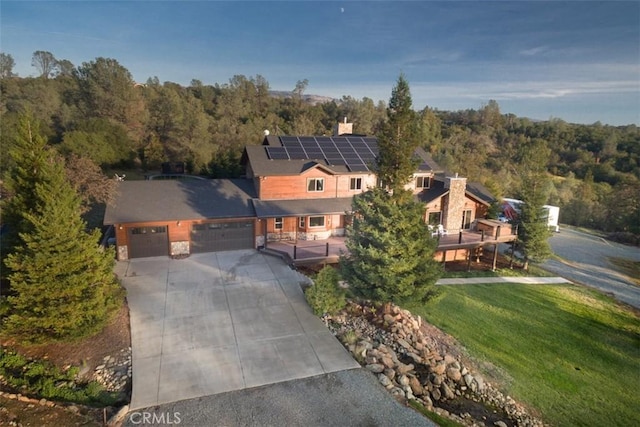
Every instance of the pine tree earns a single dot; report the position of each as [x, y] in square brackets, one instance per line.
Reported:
[533, 231]
[62, 282]
[398, 140]
[391, 252]
[29, 156]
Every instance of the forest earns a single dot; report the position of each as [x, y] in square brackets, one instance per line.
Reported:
[98, 118]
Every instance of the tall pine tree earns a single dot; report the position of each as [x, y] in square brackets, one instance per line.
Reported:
[398, 140]
[533, 231]
[391, 251]
[62, 282]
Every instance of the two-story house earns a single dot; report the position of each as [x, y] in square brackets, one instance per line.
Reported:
[296, 188]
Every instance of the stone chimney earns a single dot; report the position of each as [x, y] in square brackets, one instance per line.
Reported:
[453, 206]
[343, 128]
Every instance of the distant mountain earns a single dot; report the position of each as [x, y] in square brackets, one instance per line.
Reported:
[309, 99]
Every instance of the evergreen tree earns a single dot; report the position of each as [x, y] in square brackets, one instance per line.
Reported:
[398, 140]
[391, 252]
[62, 282]
[533, 231]
[28, 157]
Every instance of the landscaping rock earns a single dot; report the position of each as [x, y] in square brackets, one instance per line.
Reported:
[376, 368]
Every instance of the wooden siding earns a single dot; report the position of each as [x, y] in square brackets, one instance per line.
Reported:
[295, 186]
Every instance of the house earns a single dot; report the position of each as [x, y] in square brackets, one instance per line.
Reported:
[296, 188]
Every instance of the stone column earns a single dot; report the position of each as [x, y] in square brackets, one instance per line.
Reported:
[453, 205]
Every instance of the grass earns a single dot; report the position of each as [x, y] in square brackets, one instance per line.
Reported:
[569, 352]
[629, 267]
[533, 271]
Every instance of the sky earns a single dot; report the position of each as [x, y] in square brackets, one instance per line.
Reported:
[577, 61]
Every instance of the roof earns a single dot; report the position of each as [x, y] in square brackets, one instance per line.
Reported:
[345, 154]
[474, 189]
[480, 192]
[298, 207]
[169, 200]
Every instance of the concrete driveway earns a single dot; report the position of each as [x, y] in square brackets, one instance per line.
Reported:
[218, 322]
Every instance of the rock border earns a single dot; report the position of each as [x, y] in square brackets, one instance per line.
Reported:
[413, 364]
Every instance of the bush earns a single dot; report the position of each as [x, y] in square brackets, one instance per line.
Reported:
[326, 296]
[43, 379]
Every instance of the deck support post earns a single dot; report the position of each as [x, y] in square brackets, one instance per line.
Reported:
[495, 256]
[460, 237]
[469, 256]
[513, 254]
[327, 251]
[295, 251]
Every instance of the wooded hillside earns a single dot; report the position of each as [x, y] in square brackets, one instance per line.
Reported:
[97, 111]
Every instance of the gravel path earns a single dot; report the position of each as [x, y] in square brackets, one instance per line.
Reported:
[345, 398]
[585, 261]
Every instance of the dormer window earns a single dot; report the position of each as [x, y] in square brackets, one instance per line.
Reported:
[315, 185]
[423, 182]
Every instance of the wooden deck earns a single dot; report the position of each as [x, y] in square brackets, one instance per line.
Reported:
[329, 250]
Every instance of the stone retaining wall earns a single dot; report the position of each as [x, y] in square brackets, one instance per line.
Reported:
[414, 365]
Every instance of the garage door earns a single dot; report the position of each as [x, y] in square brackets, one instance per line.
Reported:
[222, 236]
[148, 241]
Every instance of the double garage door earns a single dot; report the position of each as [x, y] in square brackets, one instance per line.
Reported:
[208, 237]
[222, 236]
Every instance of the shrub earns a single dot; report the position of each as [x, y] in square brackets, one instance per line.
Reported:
[43, 379]
[326, 296]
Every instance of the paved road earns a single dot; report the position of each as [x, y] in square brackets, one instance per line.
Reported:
[585, 261]
[346, 398]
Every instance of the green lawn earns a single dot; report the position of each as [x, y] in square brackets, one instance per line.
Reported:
[567, 351]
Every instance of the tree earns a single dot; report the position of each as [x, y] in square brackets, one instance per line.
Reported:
[29, 168]
[398, 140]
[62, 282]
[326, 296]
[391, 251]
[87, 179]
[44, 62]
[6, 65]
[532, 224]
[64, 67]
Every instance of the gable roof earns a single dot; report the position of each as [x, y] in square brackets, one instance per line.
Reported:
[345, 154]
[172, 200]
[473, 189]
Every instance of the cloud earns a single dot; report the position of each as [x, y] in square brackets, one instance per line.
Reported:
[533, 51]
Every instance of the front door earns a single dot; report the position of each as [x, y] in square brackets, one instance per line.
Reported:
[466, 219]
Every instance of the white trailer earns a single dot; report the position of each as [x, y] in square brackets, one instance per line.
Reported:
[511, 209]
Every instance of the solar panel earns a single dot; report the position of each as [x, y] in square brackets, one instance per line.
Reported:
[307, 139]
[277, 153]
[297, 153]
[284, 139]
[358, 168]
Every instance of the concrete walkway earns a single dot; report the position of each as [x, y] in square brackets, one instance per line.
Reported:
[518, 280]
[218, 322]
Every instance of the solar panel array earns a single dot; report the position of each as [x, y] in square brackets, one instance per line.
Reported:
[357, 153]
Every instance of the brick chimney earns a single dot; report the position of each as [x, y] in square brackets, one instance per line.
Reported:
[343, 128]
[453, 206]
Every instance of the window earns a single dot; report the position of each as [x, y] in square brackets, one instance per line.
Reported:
[423, 182]
[278, 223]
[356, 184]
[315, 184]
[316, 221]
[434, 218]
[466, 219]
[302, 222]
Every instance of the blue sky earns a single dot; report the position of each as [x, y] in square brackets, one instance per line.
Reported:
[578, 61]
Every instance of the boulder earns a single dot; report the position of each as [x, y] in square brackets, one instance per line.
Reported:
[376, 368]
[404, 369]
[447, 393]
[415, 385]
[435, 394]
[390, 373]
[439, 368]
[454, 374]
[384, 380]
[403, 380]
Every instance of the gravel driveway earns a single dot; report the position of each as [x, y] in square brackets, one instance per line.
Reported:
[585, 261]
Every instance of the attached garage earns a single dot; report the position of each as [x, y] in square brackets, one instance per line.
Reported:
[148, 241]
[222, 236]
[176, 218]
